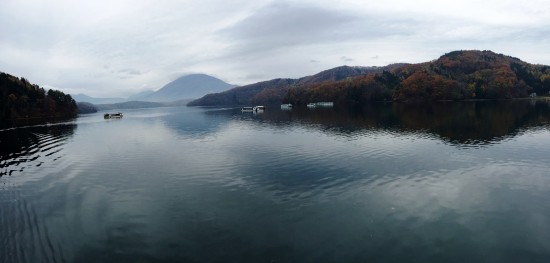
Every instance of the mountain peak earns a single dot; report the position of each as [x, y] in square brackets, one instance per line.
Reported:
[479, 55]
[190, 87]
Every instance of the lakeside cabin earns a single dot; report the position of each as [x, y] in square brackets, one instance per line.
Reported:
[117, 115]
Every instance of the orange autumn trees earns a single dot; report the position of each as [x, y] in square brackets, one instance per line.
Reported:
[422, 85]
[458, 75]
[352, 91]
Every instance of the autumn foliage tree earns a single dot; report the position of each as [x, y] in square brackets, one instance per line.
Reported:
[457, 75]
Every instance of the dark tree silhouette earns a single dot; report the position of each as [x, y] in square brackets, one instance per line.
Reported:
[19, 99]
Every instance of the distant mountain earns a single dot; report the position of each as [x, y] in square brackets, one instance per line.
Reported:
[183, 102]
[85, 98]
[189, 87]
[273, 91]
[141, 96]
[130, 105]
[457, 75]
[136, 105]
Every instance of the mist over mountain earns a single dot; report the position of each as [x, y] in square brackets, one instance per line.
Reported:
[189, 87]
[85, 98]
[130, 105]
[185, 88]
[140, 96]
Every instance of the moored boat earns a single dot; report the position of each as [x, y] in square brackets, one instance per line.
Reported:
[253, 109]
[117, 115]
[286, 106]
[325, 104]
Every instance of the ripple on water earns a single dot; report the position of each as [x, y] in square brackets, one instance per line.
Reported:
[24, 235]
[30, 152]
[34, 153]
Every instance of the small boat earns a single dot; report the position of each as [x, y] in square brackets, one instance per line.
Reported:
[311, 105]
[112, 115]
[253, 109]
[325, 104]
[286, 106]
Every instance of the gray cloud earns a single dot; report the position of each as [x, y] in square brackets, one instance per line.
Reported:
[129, 71]
[282, 24]
[280, 36]
[285, 23]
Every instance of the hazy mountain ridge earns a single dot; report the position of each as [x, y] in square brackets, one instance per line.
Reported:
[273, 91]
[85, 98]
[189, 87]
[130, 105]
[140, 95]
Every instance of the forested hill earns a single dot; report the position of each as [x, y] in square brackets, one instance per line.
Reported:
[458, 75]
[21, 99]
[273, 91]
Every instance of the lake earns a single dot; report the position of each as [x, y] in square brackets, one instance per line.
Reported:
[442, 182]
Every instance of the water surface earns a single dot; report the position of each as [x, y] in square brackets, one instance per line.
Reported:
[446, 182]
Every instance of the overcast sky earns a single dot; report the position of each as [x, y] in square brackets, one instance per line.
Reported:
[112, 48]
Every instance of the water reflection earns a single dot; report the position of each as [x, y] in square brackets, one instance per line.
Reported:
[34, 145]
[29, 154]
[458, 123]
[196, 122]
[384, 183]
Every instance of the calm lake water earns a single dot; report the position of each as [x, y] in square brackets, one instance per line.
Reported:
[447, 182]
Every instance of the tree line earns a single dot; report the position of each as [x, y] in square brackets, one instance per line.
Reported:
[19, 99]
